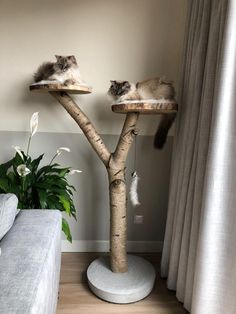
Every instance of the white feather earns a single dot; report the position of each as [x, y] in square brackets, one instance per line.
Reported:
[134, 190]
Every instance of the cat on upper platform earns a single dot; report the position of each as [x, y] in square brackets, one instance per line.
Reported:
[64, 71]
[149, 90]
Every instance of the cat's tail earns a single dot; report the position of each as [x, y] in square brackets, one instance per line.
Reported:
[162, 130]
[39, 74]
[44, 71]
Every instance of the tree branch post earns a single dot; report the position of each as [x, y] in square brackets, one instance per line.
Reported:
[85, 124]
[118, 195]
[115, 165]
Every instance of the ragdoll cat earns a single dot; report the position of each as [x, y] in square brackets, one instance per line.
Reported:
[152, 89]
[156, 88]
[65, 71]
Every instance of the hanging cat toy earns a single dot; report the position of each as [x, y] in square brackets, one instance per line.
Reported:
[134, 182]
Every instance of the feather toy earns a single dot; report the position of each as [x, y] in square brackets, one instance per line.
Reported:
[134, 189]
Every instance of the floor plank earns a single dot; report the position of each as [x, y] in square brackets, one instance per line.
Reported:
[76, 298]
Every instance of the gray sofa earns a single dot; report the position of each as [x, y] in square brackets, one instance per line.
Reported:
[30, 263]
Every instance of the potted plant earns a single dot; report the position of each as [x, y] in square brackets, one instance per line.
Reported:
[38, 187]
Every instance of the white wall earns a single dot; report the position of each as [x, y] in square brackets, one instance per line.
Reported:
[112, 39]
[123, 39]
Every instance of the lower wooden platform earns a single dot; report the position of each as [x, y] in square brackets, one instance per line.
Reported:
[76, 298]
[146, 108]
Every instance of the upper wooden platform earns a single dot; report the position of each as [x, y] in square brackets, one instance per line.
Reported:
[146, 108]
[72, 89]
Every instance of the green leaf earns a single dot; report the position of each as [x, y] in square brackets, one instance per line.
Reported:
[4, 185]
[64, 172]
[66, 204]
[11, 176]
[17, 160]
[4, 167]
[35, 163]
[42, 198]
[48, 169]
[66, 229]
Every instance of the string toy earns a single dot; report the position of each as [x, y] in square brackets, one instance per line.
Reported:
[133, 192]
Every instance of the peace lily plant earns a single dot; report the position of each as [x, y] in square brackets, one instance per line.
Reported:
[39, 188]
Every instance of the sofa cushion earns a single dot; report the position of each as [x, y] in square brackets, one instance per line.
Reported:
[8, 211]
[30, 263]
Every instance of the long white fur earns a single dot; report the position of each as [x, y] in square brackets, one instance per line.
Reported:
[56, 82]
[46, 82]
[70, 74]
[146, 101]
[134, 189]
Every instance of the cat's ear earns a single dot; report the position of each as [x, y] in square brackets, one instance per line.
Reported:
[163, 80]
[58, 57]
[112, 81]
[126, 84]
[73, 59]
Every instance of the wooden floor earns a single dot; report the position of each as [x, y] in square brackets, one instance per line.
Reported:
[76, 298]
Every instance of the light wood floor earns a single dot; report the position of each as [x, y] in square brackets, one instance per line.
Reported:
[76, 298]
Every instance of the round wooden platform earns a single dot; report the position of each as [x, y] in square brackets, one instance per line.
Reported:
[146, 108]
[72, 89]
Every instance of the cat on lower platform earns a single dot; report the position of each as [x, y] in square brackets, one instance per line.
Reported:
[151, 91]
[64, 71]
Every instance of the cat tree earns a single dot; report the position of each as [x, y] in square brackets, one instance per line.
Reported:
[126, 278]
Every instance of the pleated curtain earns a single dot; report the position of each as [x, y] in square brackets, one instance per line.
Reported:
[199, 254]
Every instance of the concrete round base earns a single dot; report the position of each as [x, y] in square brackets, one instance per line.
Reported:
[128, 287]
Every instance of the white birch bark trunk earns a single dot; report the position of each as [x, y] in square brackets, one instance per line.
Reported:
[115, 165]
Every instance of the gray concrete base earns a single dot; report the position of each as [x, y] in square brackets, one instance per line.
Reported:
[128, 287]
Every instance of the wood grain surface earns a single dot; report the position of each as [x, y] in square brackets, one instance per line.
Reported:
[72, 89]
[146, 108]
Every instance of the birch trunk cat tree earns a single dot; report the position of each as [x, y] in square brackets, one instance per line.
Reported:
[114, 162]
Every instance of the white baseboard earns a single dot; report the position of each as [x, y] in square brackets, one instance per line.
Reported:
[103, 246]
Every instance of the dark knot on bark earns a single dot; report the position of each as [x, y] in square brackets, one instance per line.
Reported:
[117, 183]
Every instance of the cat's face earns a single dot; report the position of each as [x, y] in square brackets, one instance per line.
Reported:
[119, 88]
[65, 62]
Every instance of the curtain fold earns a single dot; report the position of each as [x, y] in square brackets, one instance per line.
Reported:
[205, 50]
[215, 283]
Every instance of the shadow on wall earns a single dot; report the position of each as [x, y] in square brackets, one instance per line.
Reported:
[32, 100]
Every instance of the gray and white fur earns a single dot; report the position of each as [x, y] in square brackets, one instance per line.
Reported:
[157, 88]
[150, 91]
[64, 71]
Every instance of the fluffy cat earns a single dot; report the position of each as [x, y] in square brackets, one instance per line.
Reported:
[65, 71]
[157, 88]
[152, 89]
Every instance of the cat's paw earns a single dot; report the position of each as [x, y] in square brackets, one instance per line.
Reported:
[69, 82]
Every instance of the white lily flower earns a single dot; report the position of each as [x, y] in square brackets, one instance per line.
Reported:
[22, 170]
[62, 149]
[18, 150]
[73, 171]
[59, 151]
[34, 123]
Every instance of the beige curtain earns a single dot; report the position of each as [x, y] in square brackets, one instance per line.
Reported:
[199, 254]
